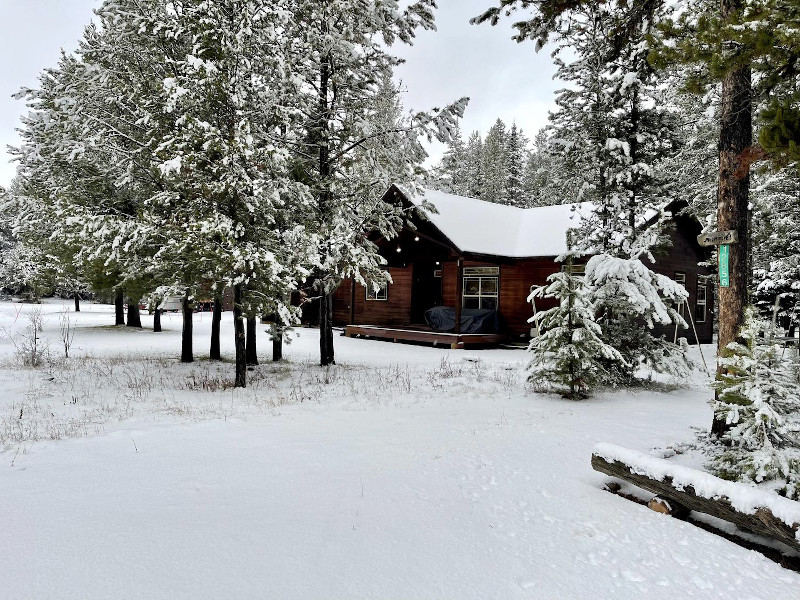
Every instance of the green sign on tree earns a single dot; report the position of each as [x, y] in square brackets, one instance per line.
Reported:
[724, 274]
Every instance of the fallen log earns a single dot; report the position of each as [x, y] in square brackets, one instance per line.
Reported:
[751, 509]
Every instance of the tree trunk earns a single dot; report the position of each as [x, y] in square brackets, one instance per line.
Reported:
[277, 342]
[134, 318]
[736, 136]
[119, 308]
[186, 339]
[216, 318]
[77, 302]
[326, 330]
[326, 301]
[157, 320]
[239, 338]
[762, 521]
[251, 351]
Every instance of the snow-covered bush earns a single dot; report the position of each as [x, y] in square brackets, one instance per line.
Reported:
[631, 299]
[757, 396]
[570, 352]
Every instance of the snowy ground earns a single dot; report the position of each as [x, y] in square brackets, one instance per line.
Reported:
[403, 472]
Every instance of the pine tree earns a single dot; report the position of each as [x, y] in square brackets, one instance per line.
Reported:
[630, 300]
[494, 164]
[757, 399]
[548, 178]
[516, 159]
[340, 52]
[776, 244]
[570, 351]
[474, 178]
[450, 175]
[612, 130]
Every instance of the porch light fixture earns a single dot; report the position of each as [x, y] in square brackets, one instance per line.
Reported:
[416, 238]
[398, 249]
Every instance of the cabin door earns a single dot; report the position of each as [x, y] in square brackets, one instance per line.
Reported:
[426, 291]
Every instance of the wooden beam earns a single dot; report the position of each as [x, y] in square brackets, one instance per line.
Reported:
[352, 301]
[762, 522]
[459, 293]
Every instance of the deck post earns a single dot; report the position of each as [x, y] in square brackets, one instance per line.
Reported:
[352, 301]
[459, 293]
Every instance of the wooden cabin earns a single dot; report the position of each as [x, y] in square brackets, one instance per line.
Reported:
[474, 257]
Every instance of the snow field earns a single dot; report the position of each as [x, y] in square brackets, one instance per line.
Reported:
[402, 472]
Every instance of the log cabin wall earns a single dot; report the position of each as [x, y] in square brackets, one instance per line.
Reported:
[515, 282]
[395, 311]
[514, 286]
[683, 257]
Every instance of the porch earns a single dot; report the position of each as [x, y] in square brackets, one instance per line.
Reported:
[420, 333]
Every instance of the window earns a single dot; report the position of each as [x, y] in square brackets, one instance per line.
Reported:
[681, 279]
[480, 292]
[577, 270]
[380, 294]
[702, 302]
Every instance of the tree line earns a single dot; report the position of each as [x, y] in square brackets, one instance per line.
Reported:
[188, 147]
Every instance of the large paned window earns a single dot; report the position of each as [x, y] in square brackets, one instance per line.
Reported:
[481, 287]
[702, 299]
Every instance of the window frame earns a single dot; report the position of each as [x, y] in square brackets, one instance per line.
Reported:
[680, 278]
[379, 295]
[481, 295]
[702, 283]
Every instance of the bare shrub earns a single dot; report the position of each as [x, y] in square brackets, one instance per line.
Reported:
[29, 348]
[66, 330]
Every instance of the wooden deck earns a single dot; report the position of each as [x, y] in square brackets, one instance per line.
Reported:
[416, 334]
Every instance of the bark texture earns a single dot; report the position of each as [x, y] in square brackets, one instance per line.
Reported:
[119, 309]
[239, 338]
[134, 317]
[186, 337]
[277, 343]
[157, 320]
[77, 302]
[326, 330]
[735, 144]
[216, 318]
[251, 350]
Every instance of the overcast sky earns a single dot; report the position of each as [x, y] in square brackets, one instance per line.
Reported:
[502, 78]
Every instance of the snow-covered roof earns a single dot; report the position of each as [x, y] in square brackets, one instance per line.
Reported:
[483, 227]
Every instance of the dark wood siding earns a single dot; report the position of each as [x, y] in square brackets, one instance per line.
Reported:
[683, 257]
[394, 311]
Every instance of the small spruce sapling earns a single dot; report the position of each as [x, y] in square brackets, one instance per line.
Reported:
[569, 353]
[757, 396]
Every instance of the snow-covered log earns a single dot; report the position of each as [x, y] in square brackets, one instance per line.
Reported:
[748, 508]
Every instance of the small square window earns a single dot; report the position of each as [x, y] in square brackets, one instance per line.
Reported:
[379, 293]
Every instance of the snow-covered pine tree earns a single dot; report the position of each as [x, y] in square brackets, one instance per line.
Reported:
[776, 244]
[494, 164]
[548, 178]
[757, 397]
[474, 179]
[232, 202]
[71, 175]
[339, 50]
[516, 159]
[569, 352]
[613, 127]
[450, 175]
